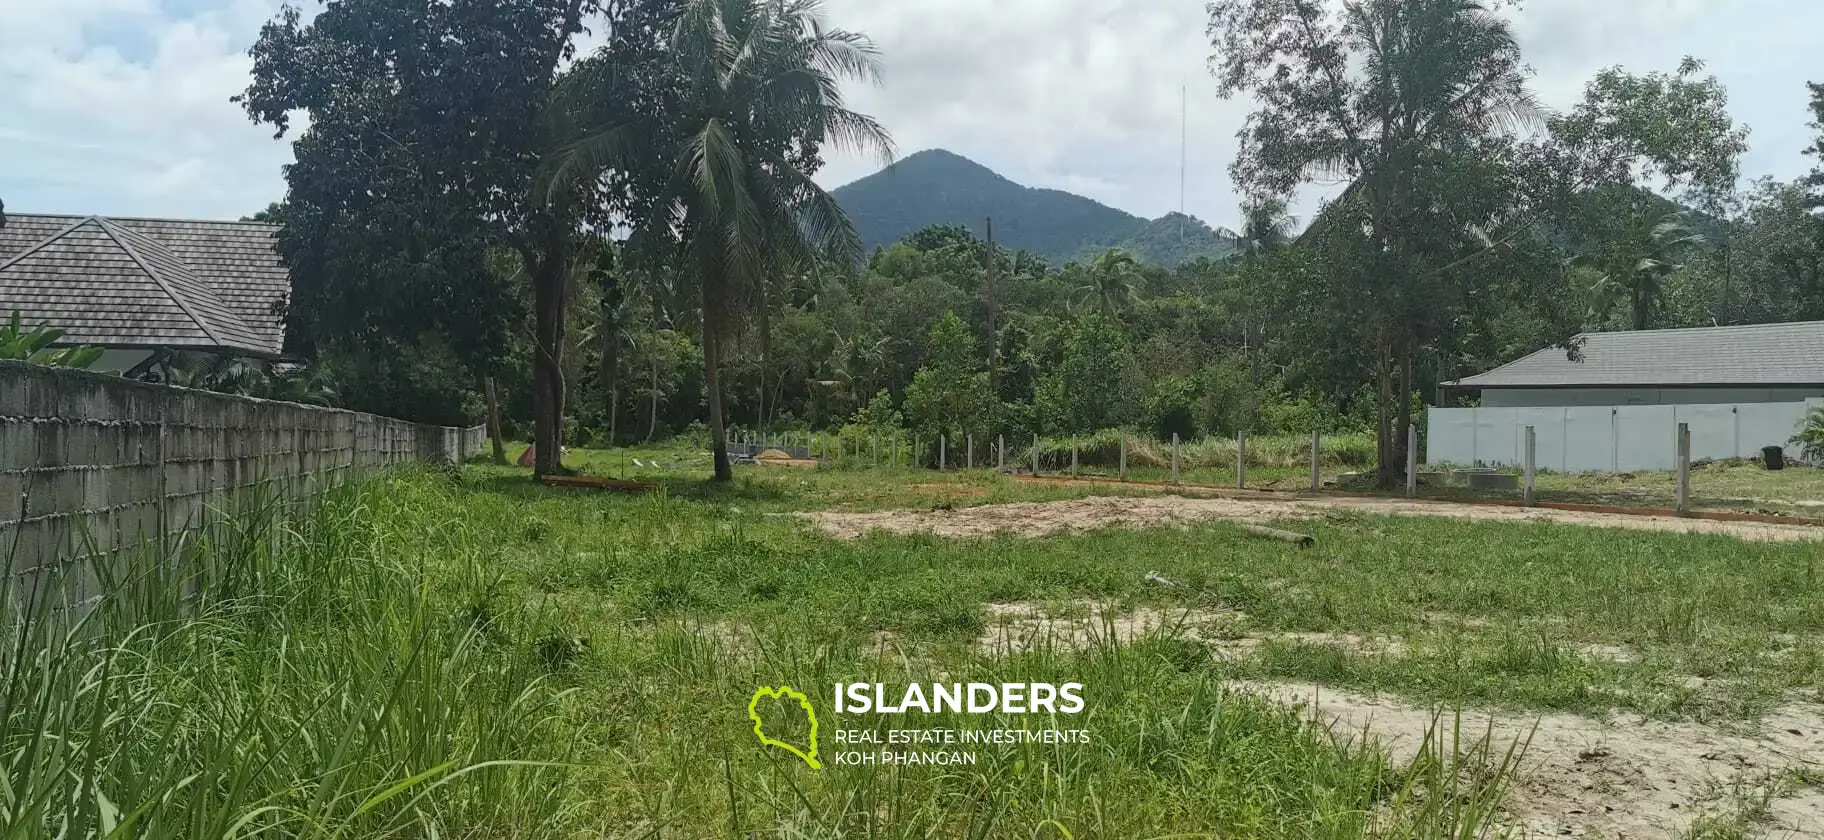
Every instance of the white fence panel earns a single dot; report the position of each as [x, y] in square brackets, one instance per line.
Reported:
[1624, 438]
[1589, 438]
[1646, 438]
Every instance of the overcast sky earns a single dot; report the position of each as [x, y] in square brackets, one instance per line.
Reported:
[120, 107]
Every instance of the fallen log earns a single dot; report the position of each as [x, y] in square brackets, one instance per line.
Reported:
[594, 483]
[1301, 540]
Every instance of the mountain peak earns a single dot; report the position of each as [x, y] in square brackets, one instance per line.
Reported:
[941, 187]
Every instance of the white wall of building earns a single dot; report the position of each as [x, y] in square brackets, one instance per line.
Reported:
[1611, 438]
[1555, 397]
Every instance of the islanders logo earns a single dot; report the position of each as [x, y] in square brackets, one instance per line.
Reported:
[785, 693]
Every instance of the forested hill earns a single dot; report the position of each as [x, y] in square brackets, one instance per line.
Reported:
[937, 187]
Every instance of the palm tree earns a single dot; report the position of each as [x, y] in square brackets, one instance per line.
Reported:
[1661, 252]
[1112, 276]
[758, 92]
[1666, 245]
[1265, 227]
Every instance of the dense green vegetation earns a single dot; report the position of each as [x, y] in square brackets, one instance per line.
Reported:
[459, 653]
[937, 187]
[1475, 226]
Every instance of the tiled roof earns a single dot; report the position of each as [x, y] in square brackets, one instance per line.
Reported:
[146, 282]
[1757, 354]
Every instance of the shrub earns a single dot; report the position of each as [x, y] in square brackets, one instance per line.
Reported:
[1810, 439]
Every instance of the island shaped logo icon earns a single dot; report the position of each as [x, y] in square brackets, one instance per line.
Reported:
[785, 692]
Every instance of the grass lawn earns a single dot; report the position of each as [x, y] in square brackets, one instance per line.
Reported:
[427, 622]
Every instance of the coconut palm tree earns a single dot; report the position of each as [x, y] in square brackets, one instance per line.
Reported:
[1661, 252]
[1112, 277]
[757, 92]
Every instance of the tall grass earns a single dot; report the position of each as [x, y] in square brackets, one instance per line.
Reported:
[324, 688]
[1103, 449]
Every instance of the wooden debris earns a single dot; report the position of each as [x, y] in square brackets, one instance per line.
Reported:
[1301, 540]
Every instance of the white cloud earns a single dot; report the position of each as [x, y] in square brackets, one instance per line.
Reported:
[121, 106]
[118, 107]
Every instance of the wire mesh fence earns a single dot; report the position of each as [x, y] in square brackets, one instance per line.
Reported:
[1313, 462]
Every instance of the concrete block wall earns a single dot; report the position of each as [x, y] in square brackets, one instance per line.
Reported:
[92, 464]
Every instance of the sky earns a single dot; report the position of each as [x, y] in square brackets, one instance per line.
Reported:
[121, 107]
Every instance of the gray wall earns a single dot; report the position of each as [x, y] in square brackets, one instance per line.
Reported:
[1620, 438]
[91, 463]
[1541, 397]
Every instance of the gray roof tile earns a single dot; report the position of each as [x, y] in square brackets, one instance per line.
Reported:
[1756, 354]
[162, 282]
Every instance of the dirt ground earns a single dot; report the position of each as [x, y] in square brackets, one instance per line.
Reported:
[1032, 519]
[1625, 777]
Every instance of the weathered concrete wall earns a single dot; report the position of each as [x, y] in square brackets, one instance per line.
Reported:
[91, 463]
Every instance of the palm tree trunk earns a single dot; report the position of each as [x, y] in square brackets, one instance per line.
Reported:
[1643, 303]
[547, 358]
[492, 389]
[652, 419]
[609, 371]
[712, 381]
[766, 352]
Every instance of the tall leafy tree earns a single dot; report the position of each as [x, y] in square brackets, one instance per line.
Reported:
[757, 97]
[415, 166]
[1422, 108]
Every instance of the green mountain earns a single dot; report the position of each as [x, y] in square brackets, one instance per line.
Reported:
[937, 187]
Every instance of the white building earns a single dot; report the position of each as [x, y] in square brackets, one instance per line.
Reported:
[1616, 406]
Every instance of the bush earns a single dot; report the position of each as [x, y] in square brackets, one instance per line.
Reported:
[1103, 449]
[1170, 408]
[1810, 439]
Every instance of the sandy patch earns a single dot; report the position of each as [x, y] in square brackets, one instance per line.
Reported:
[1082, 625]
[1032, 519]
[1086, 624]
[1628, 777]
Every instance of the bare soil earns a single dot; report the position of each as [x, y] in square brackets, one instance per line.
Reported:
[1033, 519]
[1626, 777]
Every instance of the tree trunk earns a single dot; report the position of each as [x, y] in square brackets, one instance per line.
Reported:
[609, 373]
[652, 421]
[547, 358]
[712, 382]
[1387, 471]
[766, 352]
[1643, 303]
[1403, 415]
[492, 390]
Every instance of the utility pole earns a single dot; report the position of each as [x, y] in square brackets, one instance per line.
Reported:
[1184, 146]
[994, 313]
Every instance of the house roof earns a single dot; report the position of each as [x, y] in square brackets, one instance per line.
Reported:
[1757, 354]
[146, 282]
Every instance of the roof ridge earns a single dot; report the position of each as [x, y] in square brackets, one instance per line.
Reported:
[114, 232]
[39, 246]
[176, 219]
[1712, 328]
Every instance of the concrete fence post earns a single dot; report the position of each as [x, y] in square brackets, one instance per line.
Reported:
[1175, 458]
[969, 456]
[1532, 459]
[1000, 462]
[1035, 455]
[1412, 460]
[1683, 456]
[1317, 460]
[1123, 456]
[1073, 460]
[1241, 460]
[943, 454]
